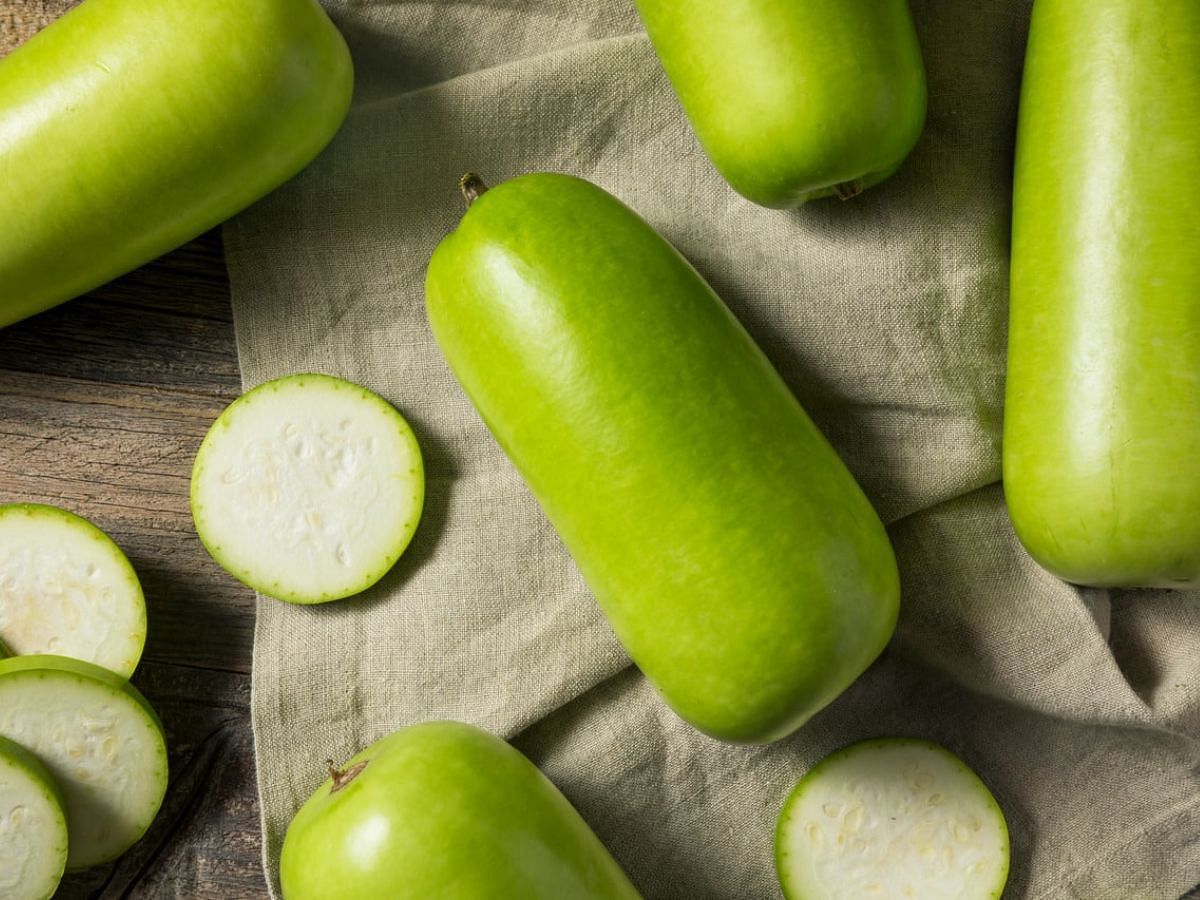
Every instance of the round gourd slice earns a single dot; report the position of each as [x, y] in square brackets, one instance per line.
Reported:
[892, 819]
[33, 827]
[101, 742]
[67, 589]
[308, 488]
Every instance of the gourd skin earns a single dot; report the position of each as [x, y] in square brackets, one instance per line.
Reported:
[734, 554]
[1102, 423]
[446, 810]
[795, 99]
[130, 126]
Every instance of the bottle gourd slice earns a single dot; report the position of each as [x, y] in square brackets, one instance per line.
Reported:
[737, 559]
[308, 488]
[892, 819]
[101, 742]
[68, 590]
[33, 827]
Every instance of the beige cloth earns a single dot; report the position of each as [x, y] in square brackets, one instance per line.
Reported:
[1080, 709]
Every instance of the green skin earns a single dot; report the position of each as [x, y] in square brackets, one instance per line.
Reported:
[737, 559]
[130, 126]
[1102, 426]
[795, 99]
[445, 810]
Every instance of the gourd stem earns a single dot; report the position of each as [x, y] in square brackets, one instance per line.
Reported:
[848, 190]
[472, 188]
[342, 777]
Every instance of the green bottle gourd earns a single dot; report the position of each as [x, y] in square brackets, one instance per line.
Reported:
[734, 554]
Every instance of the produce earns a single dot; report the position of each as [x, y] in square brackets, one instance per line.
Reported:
[1102, 424]
[893, 818]
[130, 126]
[67, 589]
[308, 488]
[99, 739]
[795, 99]
[736, 557]
[33, 827]
[444, 810]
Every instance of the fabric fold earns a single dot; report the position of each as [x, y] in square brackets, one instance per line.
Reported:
[886, 315]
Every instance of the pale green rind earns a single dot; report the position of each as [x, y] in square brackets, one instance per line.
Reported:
[22, 758]
[826, 768]
[39, 777]
[135, 597]
[445, 810]
[101, 687]
[209, 529]
[43, 661]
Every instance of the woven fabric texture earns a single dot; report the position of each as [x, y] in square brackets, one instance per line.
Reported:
[886, 315]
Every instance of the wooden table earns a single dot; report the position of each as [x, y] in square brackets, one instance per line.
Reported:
[103, 403]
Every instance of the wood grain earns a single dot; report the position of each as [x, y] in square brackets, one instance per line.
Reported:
[103, 402]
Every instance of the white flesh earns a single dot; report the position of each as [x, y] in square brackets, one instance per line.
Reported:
[67, 589]
[33, 828]
[892, 820]
[308, 488]
[101, 744]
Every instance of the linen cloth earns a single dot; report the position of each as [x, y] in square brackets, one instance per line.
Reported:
[1079, 708]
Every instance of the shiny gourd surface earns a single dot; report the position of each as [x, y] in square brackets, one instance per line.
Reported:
[735, 556]
[128, 127]
[1102, 428]
[795, 99]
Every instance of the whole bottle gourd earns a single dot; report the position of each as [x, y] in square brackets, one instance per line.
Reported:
[1102, 420]
[128, 127]
[795, 99]
[734, 554]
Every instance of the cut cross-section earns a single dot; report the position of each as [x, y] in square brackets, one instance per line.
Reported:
[100, 741]
[33, 827]
[892, 819]
[67, 589]
[308, 488]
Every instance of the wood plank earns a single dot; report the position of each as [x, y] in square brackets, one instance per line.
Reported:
[103, 402]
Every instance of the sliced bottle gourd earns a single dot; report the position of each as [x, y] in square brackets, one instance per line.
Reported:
[308, 488]
[67, 589]
[892, 819]
[33, 827]
[100, 741]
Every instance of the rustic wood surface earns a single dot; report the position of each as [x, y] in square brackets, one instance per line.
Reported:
[103, 403]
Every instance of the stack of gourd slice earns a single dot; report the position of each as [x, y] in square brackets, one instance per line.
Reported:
[83, 758]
